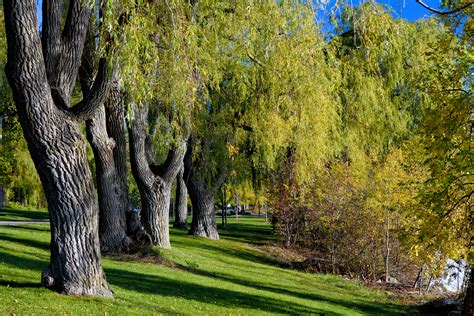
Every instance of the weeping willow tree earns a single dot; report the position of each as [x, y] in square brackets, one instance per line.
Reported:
[364, 101]
[262, 87]
[292, 106]
[206, 163]
[156, 68]
[380, 61]
[383, 75]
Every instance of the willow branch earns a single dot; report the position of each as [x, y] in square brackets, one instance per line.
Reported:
[424, 5]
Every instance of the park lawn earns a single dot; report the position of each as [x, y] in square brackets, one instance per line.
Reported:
[199, 276]
[20, 213]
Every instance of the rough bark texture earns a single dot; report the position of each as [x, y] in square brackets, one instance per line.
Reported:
[181, 205]
[109, 162]
[155, 213]
[115, 117]
[112, 221]
[154, 182]
[41, 88]
[204, 222]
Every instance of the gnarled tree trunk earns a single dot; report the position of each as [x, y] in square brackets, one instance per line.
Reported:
[155, 213]
[112, 221]
[154, 182]
[108, 155]
[115, 122]
[42, 78]
[204, 222]
[181, 205]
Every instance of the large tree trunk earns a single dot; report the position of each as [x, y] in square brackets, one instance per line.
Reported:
[204, 222]
[154, 182]
[181, 206]
[155, 213]
[110, 183]
[115, 117]
[52, 132]
[112, 222]
[58, 151]
[116, 128]
[75, 255]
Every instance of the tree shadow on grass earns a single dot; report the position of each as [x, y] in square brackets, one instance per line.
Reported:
[153, 284]
[37, 265]
[239, 253]
[240, 232]
[20, 262]
[160, 285]
[26, 242]
[355, 303]
[12, 213]
[246, 232]
[36, 227]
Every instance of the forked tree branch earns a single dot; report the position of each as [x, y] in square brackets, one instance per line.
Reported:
[424, 5]
[96, 97]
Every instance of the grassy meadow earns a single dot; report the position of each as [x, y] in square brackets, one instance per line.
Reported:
[197, 276]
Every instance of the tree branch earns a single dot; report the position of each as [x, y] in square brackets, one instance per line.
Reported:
[424, 5]
[457, 203]
[89, 57]
[138, 158]
[458, 90]
[96, 97]
[24, 52]
[173, 163]
[255, 60]
[72, 44]
[51, 36]
[261, 64]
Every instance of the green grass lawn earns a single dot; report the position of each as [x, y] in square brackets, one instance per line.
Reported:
[22, 214]
[228, 276]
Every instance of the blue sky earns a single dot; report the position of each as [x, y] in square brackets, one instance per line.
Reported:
[407, 9]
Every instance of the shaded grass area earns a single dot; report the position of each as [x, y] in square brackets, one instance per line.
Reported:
[224, 277]
[15, 214]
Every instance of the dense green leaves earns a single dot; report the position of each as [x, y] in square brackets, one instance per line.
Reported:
[401, 165]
